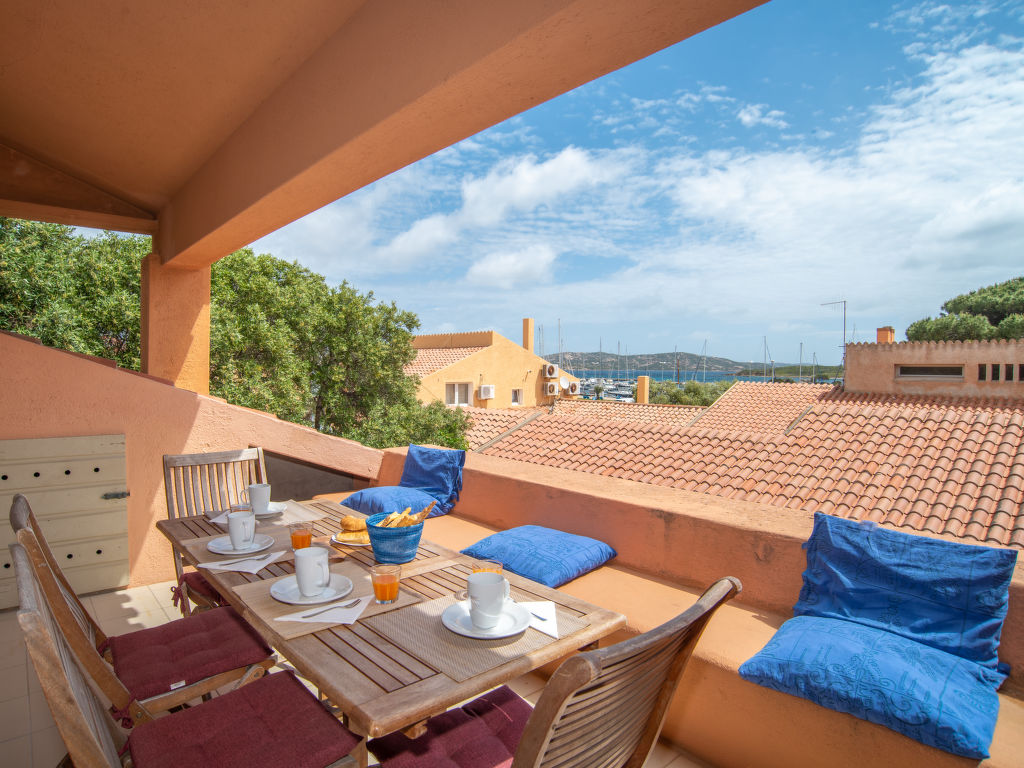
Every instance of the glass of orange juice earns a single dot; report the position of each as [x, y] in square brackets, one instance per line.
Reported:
[302, 535]
[385, 580]
[487, 566]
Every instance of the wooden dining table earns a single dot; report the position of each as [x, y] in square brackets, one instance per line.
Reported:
[382, 672]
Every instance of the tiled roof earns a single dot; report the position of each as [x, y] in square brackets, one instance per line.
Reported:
[487, 423]
[944, 465]
[429, 360]
[765, 407]
[676, 415]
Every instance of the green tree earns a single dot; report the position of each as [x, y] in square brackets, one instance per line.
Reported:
[690, 393]
[986, 313]
[72, 292]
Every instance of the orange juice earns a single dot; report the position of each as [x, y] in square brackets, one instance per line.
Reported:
[385, 588]
[302, 538]
[487, 566]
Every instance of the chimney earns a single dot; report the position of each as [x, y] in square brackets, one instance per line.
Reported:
[643, 388]
[528, 334]
[886, 335]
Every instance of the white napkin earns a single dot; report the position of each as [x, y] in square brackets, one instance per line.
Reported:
[243, 566]
[543, 617]
[218, 516]
[337, 615]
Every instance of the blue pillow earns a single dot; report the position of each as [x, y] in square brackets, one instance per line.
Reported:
[944, 594]
[929, 695]
[542, 554]
[437, 471]
[387, 499]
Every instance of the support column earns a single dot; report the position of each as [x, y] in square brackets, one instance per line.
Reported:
[176, 324]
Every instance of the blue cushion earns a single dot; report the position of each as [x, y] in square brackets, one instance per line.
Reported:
[387, 499]
[932, 696]
[436, 471]
[944, 594]
[542, 554]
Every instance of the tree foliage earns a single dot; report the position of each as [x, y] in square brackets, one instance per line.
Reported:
[987, 313]
[690, 393]
[281, 339]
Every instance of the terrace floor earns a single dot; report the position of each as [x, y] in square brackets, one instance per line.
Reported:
[28, 735]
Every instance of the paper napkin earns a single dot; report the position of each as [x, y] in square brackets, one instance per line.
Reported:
[336, 615]
[218, 516]
[543, 617]
[251, 565]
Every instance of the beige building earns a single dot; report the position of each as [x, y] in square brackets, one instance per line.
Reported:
[993, 369]
[486, 370]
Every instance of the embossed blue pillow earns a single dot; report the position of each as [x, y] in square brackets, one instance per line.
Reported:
[934, 697]
[437, 471]
[387, 499]
[543, 554]
[944, 594]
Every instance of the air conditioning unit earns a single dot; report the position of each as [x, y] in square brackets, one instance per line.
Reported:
[574, 387]
[549, 370]
[551, 388]
[486, 391]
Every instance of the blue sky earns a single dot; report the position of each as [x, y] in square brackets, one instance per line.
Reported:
[722, 189]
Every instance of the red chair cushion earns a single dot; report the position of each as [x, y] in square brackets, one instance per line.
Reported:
[150, 661]
[272, 722]
[481, 734]
[197, 583]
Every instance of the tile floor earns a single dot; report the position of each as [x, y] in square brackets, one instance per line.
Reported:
[28, 736]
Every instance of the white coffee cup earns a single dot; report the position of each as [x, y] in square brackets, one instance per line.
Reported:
[311, 571]
[258, 495]
[488, 592]
[242, 529]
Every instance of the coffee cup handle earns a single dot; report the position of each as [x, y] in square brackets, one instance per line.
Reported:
[244, 492]
[508, 590]
[326, 574]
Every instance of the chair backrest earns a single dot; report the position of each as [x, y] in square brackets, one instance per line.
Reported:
[79, 630]
[83, 723]
[606, 707]
[23, 517]
[197, 483]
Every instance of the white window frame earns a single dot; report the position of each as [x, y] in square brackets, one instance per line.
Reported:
[453, 390]
[517, 397]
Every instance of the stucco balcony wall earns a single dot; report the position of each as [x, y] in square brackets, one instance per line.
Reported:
[682, 538]
[50, 393]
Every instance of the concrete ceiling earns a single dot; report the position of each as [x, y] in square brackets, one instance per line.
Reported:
[212, 124]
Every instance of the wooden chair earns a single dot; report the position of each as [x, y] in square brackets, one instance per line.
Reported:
[230, 730]
[143, 673]
[600, 709]
[197, 483]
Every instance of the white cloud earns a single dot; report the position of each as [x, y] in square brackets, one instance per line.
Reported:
[530, 267]
[759, 114]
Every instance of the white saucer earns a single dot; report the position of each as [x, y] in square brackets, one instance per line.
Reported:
[513, 620]
[274, 509]
[287, 591]
[336, 540]
[222, 545]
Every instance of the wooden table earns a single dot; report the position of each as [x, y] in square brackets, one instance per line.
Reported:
[376, 682]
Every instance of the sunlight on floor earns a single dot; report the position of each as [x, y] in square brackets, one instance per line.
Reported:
[28, 736]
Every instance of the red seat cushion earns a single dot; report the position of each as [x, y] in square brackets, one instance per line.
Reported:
[481, 734]
[150, 661]
[197, 583]
[273, 722]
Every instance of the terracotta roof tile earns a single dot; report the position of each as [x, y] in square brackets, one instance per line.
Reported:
[929, 464]
[434, 359]
[613, 410]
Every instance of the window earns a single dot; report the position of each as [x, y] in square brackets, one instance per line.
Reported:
[517, 397]
[457, 393]
[981, 372]
[1008, 372]
[930, 371]
[995, 371]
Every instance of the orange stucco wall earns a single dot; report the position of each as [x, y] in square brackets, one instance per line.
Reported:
[504, 364]
[872, 368]
[48, 393]
[687, 539]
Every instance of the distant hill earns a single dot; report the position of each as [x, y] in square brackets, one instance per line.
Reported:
[641, 364]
